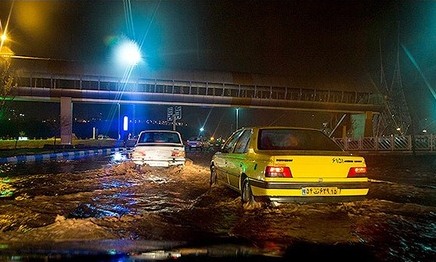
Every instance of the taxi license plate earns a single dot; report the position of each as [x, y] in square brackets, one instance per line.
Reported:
[320, 191]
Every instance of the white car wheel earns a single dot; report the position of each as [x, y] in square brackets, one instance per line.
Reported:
[213, 176]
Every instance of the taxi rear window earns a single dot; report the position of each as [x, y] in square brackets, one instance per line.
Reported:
[294, 139]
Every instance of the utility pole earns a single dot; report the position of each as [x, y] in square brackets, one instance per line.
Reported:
[396, 118]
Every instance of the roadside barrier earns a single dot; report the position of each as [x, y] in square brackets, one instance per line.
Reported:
[71, 155]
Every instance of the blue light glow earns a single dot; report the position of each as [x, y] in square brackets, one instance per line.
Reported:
[126, 123]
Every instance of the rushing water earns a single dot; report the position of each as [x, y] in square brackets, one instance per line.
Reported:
[397, 221]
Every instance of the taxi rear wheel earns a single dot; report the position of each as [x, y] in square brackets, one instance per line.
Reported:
[246, 194]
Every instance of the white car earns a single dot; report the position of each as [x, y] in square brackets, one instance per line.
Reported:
[160, 148]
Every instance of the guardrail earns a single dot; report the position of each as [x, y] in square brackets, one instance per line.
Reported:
[424, 143]
[71, 155]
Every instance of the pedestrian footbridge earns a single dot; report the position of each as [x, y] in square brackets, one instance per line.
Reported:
[34, 86]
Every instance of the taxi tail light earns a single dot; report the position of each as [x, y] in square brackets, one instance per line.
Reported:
[278, 171]
[357, 172]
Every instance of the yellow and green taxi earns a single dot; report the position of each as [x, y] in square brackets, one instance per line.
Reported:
[282, 164]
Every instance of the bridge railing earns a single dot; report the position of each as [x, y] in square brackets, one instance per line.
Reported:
[389, 143]
[201, 88]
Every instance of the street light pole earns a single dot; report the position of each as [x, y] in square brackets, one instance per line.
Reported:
[237, 118]
[174, 122]
[119, 121]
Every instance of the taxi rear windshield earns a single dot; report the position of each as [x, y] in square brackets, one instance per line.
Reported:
[292, 139]
[159, 137]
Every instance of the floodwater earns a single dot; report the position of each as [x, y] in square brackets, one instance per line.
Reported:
[105, 199]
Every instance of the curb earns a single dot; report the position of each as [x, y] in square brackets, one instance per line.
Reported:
[57, 156]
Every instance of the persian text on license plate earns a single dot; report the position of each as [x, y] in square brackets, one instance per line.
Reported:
[320, 191]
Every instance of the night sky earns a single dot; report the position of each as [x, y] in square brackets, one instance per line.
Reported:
[306, 40]
[312, 42]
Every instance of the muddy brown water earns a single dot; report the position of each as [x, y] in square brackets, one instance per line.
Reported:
[101, 199]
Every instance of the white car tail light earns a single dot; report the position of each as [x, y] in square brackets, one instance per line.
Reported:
[278, 171]
[177, 153]
[138, 153]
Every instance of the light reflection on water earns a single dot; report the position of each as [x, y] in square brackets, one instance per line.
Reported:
[109, 207]
[6, 189]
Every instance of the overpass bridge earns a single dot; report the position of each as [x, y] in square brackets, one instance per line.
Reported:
[74, 88]
[91, 88]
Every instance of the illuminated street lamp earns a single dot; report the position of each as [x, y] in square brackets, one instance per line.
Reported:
[3, 38]
[200, 134]
[128, 53]
[5, 52]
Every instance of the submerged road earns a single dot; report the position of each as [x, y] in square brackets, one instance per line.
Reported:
[103, 198]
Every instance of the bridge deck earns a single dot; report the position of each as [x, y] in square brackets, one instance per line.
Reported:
[40, 86]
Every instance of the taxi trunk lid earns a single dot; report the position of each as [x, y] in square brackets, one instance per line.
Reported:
[319, 166]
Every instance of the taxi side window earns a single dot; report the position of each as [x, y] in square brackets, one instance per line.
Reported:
[230, 144]
[242, 144]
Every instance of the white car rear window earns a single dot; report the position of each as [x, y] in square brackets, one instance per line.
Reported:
[159, 137]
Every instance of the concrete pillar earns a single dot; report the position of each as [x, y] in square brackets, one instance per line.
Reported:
[66, 121]
[357, 125]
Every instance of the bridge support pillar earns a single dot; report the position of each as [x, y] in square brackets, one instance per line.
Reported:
[361, 125]
[66, 121]
[368, 124]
